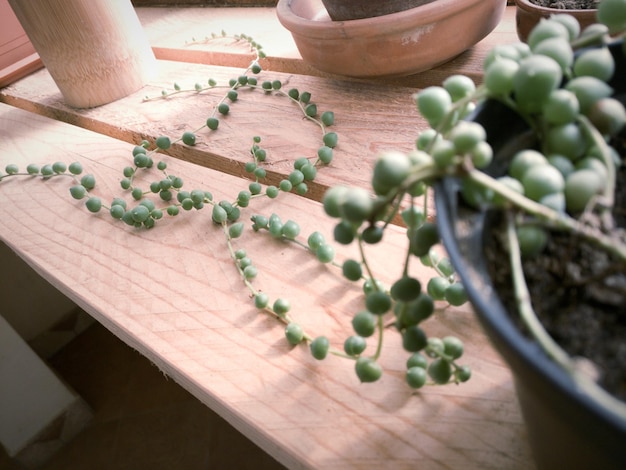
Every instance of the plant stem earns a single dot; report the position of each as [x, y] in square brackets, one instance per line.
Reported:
[381, 329]
[524, 305]
[552, 218]
[550, 347]
[609, 190]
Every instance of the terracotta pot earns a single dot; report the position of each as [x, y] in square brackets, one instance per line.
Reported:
[566, 427]
[340, 10]
[398, 44]
[527, 15]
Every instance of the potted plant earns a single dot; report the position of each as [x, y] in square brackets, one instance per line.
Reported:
[538, 96]
[537, 165]
[395, 44]
[571, 421]
[529, 12]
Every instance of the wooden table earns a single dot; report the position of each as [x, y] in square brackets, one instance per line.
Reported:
[173, 293]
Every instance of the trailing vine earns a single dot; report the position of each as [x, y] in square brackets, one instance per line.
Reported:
[167, 196]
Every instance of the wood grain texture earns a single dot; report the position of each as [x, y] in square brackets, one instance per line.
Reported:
[284, 132]
[173, 294]
[360, 105]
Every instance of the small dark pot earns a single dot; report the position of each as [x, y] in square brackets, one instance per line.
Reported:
[342, 10]
[566, 428]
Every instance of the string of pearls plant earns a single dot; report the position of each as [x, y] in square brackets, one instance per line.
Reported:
[430, 360]
[565, 99]
[567, 182]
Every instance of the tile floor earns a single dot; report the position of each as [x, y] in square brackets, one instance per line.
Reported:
[142, 420]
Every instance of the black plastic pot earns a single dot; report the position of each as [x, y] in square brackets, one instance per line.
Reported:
[566, 428]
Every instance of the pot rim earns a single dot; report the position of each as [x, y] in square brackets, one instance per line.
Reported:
[530, 7]
[408, 19]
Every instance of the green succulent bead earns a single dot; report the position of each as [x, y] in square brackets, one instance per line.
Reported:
[440, 371]
[352, 270]
[75, 168]
[368, 370]
[453, 347]
[212, 123]
[406, 289]
[94, 204]
[117, 212]
[325, 253]
[281, 306]
[364, 323]
[319, 347]
[189, 138]
[219, 215]
[416, 377]
[378, 302]
[294, 333]
[261, 300]
[354, 345]
[88, 181]
[235, 230]
[78, 191]
[417, 359]
[162, 142]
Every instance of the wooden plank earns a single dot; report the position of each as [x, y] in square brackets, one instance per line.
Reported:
[17, 55]
[361, 107]
[19, 69]
[173, 294]
[370, 117]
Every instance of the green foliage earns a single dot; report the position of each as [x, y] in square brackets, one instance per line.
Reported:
[527, 78]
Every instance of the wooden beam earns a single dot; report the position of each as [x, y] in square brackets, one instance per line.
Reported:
[173, 294]
[359, 107]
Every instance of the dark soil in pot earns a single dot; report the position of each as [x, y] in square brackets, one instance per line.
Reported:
[567, 4]
[342, 10]
[579, 295]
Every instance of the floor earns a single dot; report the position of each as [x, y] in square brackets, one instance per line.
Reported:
[142, 420]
